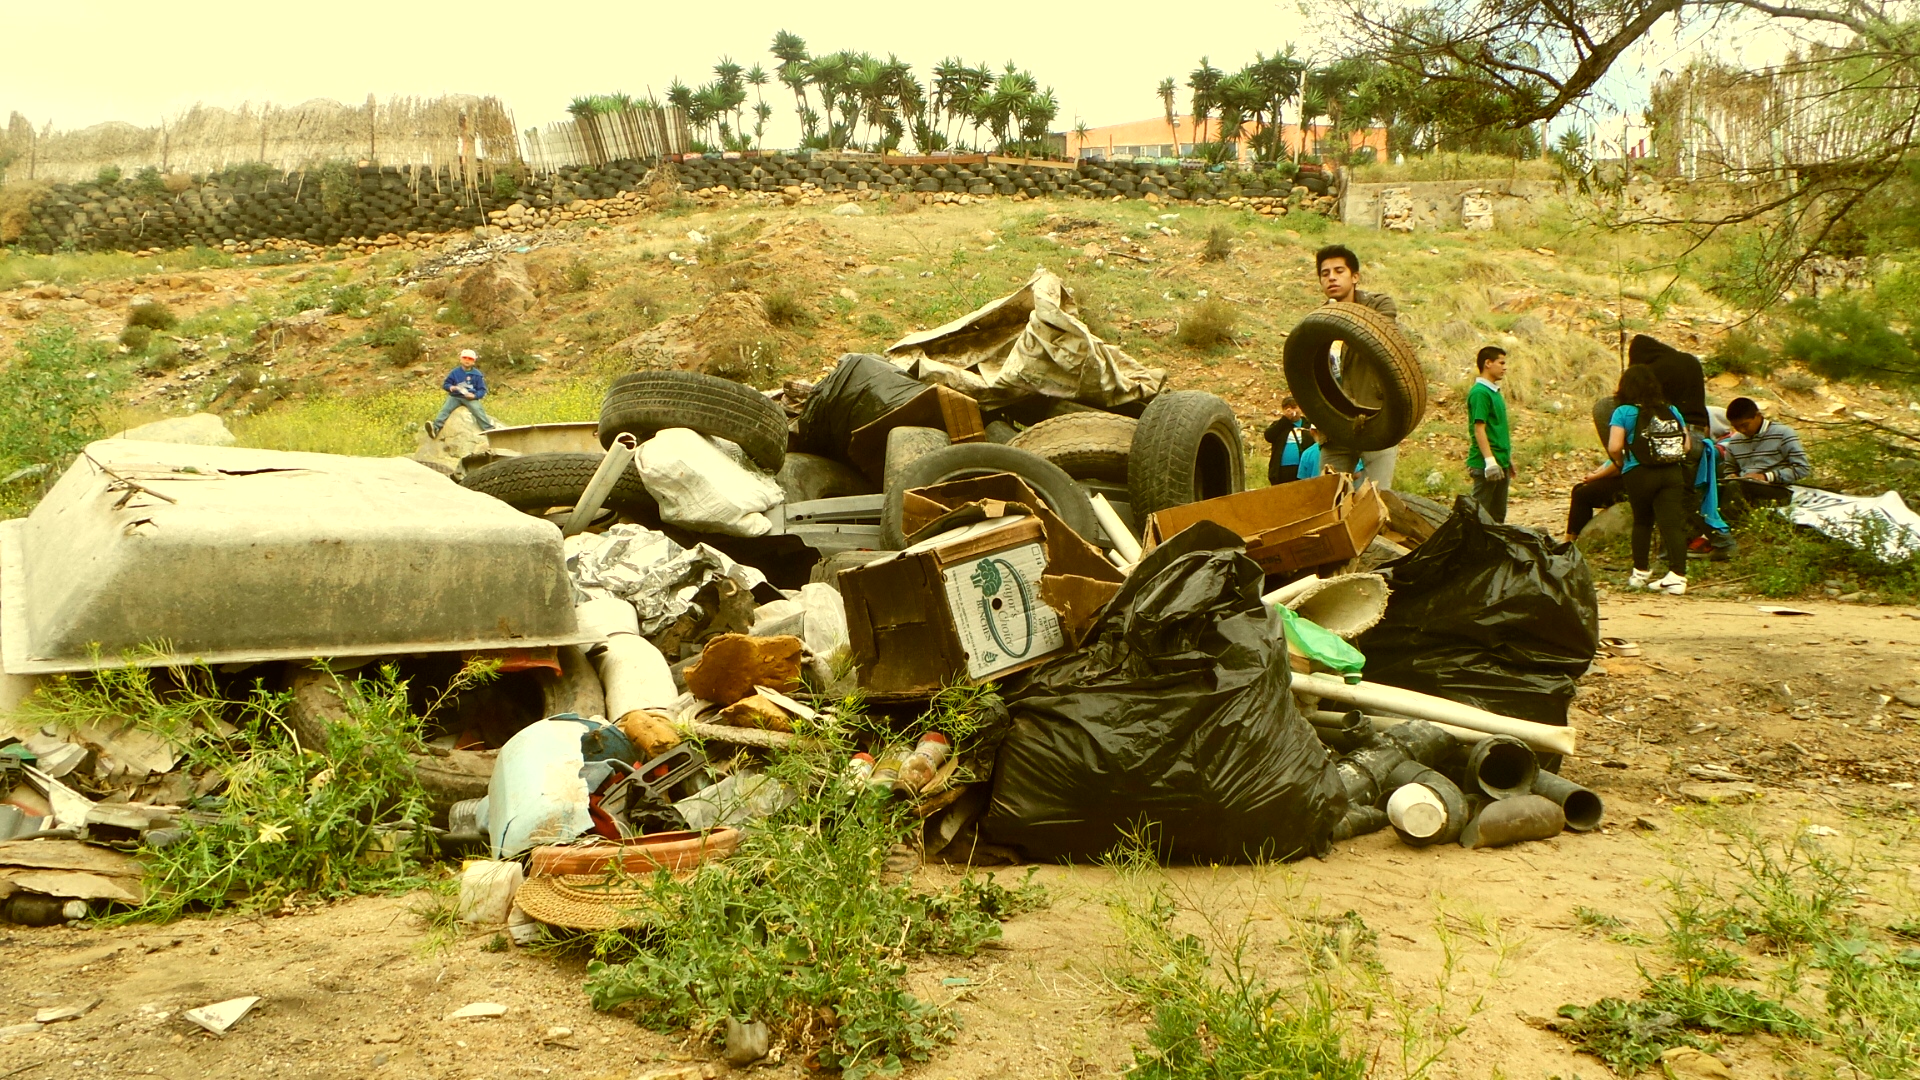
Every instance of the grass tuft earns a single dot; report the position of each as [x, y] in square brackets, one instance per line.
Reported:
[1209, 326]
[153, 315]
[784, 309]
[1219, 246]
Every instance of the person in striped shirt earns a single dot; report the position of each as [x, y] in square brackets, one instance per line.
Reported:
[1764, 455]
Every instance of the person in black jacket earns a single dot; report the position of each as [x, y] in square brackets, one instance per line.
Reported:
[1288, 436]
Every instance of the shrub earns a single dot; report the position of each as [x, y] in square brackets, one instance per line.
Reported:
[136, 338]
[108, 175]
[751, 360]
[578, 277]
[1841, 338]
[399, 343]
[348, 299]
[1741, 353]
[153, 315]
[1219, 246]
[784, 309]
[149, 182]
[505, 186]
[512, 350]
[1208, 326]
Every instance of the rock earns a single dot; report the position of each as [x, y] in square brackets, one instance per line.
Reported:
[1720, 793]
[1529, 328]
[847, 210]
[459, 439]
[199, 429]
[93, 296]
[497, 294]
[1726, 380]
[479, 1010]
[1910, 697]
[731, 665]
[48, 291]
[1611, 524]
[748, 1042]
[1687, 1063]
[310, 326]
[755, 711]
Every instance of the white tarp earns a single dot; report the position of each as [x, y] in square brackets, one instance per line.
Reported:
[646, 569]
[1029, 342]
[1883, 524]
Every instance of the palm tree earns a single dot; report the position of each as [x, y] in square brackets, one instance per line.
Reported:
[1080, 132]
[1204, 81]
[949, 90]
[757, 77]
[791, 51]
[1278, 78]
[1167, 91]
[1240, 98]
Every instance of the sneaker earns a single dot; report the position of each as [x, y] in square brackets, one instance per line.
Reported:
[1699, 546]
[1725, 550]
[1673, 585]
[433, 430]
[1639, 578]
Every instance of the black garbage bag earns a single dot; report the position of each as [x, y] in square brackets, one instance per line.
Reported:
[1496, 616]
[860, 389]
[1173, 721]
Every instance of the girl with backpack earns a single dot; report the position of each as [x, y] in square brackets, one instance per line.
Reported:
[1648, 439]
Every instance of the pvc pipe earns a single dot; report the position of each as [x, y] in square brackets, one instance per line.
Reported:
[634, 675]
[1582, 807]
[619, 457]
[1346, 605]
[1324, 718]
[1509, 821]
[1359, 821]
[1502, 767]
[1418, 811]
[1109, 518]
[1392, 699]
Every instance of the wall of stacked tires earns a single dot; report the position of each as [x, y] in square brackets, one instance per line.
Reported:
[387, 206]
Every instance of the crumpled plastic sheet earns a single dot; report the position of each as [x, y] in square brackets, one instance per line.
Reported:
[648, 570]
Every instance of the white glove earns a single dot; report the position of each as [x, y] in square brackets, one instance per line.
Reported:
[1494, 472]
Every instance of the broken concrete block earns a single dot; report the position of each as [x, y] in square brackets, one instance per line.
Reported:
[756, 712]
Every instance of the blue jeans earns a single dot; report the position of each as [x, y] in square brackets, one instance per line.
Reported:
[455, 401]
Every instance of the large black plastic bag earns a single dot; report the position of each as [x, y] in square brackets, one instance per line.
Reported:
[1497, 616]
[860, 389]
[1174, 720]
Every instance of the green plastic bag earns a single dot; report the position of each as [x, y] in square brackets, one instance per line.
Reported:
[1321, 645]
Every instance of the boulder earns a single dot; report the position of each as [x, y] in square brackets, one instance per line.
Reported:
[497, 294]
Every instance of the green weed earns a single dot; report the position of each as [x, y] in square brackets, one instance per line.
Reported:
[53, 400]
[803, 930]
[1209, 326]
[1630, 1035]
[784, 309]
[136, 338]
[153, 315]
[1219, 245]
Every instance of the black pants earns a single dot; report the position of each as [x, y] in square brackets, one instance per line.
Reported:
[1658, 495]
[1590, 497]
[1278, 474]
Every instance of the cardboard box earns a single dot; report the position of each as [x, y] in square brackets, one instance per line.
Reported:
[937, 407]
[1288, 527]
[991, 584]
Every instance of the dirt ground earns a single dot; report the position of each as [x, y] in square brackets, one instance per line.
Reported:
[1795, 703]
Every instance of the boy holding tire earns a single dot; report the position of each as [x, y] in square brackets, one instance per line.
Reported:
[1339, 273]
[1489, 439]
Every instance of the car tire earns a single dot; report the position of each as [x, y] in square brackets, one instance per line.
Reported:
[1055, 488]
[1087, 445]
[536, 483]
[1381, 394]
[906, 445]
[1186, 448]
[806, 477]
[645, 402]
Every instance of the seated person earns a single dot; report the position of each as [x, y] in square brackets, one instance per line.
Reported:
[1763, 456]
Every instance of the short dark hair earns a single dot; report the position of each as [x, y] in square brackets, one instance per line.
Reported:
[1742, 407]
[1487, 352]
[1289, 403]
[1336, 251]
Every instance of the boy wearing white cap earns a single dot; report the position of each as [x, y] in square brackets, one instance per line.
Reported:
[465, 386]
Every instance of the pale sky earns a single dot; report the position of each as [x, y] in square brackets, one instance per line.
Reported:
[80, 64]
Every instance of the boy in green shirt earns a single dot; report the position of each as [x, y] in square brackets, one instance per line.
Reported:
[1490, 441]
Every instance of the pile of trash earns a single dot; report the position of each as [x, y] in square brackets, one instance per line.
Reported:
[1005, 572]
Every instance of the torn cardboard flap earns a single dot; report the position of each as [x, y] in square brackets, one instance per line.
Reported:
[1288, 527]
[936, 407]
[992, 583]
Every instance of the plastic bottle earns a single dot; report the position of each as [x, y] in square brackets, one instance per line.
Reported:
[917, 771]
[859, 769]
[886, 769]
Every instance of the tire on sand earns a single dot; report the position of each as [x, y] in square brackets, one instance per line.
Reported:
[1381, 393]
[1055, 488]
[536, 483]
[1186, 448]
[645, 402]
[1087, 445]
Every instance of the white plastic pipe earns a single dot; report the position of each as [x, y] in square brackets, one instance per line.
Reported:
[1329, 718]
[1414, 809]
[634, 675]
[1124, 542]
[619, 457]
[1392, 699]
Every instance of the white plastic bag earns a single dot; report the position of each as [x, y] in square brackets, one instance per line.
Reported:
[486, 890]
[826, 622]
[700, 488]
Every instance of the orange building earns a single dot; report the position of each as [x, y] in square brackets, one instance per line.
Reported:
[1152, 138]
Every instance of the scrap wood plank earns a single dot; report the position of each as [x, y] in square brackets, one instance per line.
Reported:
[73, 884]
[66, 855]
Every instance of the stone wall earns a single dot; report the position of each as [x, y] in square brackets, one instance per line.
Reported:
[1438, 204]
[377, 207]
